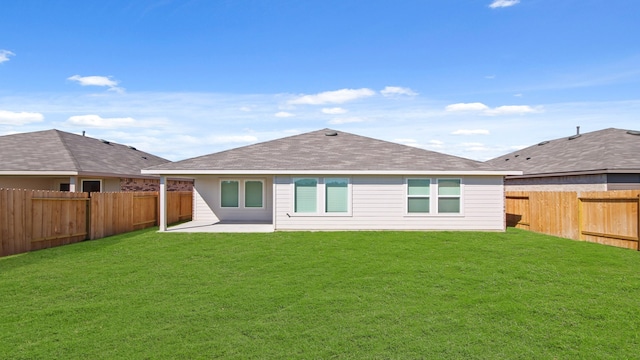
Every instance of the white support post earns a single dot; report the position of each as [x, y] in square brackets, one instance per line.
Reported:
[163, 203]
[73, 184]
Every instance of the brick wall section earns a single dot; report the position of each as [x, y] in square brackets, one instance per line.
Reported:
[132, 184]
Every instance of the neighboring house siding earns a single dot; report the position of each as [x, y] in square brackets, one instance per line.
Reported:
[134, 184]
[379, 203]
[111, 185]
[108, 184]
[207, 201]
[623, 181]
[31, 183]
[597, 182]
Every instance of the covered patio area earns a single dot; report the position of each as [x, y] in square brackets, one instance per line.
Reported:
[221, 227]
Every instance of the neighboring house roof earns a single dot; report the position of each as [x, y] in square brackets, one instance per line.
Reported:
[604, 151]
[55, 152]
[324, 151]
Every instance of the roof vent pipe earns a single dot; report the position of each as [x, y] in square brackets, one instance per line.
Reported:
[577, 135]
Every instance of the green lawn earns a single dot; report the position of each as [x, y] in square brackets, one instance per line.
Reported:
[344, 295]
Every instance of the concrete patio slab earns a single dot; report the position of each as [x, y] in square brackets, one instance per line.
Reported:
[226, 227]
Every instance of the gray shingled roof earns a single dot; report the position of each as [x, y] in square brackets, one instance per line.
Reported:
[608, 150]
[55, 150]
[316, 151]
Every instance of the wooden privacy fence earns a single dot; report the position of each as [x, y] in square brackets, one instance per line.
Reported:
[33, 219]
[605, 217]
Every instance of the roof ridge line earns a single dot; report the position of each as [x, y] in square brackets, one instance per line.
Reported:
[71, 155]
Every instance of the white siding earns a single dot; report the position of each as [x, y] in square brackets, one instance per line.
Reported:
[379, 203]
[206, 207]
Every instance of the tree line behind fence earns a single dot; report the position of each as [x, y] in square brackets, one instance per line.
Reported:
[605, 217]
[35, 219]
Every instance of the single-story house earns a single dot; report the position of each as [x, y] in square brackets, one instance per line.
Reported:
[61, 161]
[334, 180]
[601, 160]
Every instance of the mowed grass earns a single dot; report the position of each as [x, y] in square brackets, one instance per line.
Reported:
[343, 295]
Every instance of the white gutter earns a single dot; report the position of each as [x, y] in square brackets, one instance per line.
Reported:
[332, 172]
[574, 173]
[38, 173]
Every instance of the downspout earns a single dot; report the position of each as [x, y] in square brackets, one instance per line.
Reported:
[163, 203]
[274, 205]
[73, 184]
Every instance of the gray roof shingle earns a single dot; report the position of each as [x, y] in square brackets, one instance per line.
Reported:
[608, 150]
[317, 151]
[55, 150]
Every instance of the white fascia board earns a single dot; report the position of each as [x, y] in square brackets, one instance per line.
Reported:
[577, 173]
[331, 172]
[38, 173]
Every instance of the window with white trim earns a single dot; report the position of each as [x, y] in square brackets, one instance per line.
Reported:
[229, 193]
[253, 194]
[238, 193]
[305, 195]
[322, 196]
[449, 196]
[336, 195]
[418, 196]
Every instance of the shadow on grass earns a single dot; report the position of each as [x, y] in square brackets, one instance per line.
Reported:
[70, 250]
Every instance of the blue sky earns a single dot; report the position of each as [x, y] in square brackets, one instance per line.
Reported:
[473, 78]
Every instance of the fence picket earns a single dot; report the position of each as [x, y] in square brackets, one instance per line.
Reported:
[605, 217]
[35, 219]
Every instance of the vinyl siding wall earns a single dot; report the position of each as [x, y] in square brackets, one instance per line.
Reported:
[206, 196]
[379, 203]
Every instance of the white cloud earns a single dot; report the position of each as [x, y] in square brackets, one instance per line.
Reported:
[4, 55]
[333, 97]
[334, 111]
[511, 110]
[405, 141]
[97, 81]
[503, 3]
[395, 90]
[466, 107]
[283, 114]
[471, 132]
[475, 146]
[19, 118]
[347, 120]
[229, 139]
[484, 109]
[434, 145]
[100, 122]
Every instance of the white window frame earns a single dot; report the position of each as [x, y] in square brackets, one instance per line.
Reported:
[459, 196]
[321, 197]
[318, 197]
[244, 194]
[220, 194]
[241, 194]
[434, 211]
[324, 197]
[407, 197]
[82, 181]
